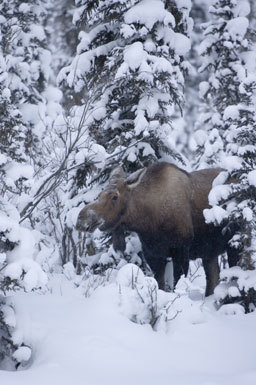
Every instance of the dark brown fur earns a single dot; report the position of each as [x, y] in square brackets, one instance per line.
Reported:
[164, 205]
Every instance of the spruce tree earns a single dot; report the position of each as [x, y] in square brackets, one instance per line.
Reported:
[23, 73]
[128, 74]
[200, 15]
[25, 69]
[130, 65]
[230, 139]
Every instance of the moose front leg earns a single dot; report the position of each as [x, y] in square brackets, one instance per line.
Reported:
[156, 257]
[180, 258]
[157, 265]
[212, 272]
[118, 240]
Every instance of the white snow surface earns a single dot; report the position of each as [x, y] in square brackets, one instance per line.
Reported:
[23, 353]
[231, 112]
[237, 27]
[252, 178]
[242, 8]
[88, 341]
[149, 12]
[16, 171]
[134, 55]
[216, 214]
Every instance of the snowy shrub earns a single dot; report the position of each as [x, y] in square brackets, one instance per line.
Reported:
[112, 258]
[142, 302]
[101, 268]
[18, 249]
[138, 295]
[88, 282]
[231, 309]
[13, 351]
[18, 271]
[236, 286]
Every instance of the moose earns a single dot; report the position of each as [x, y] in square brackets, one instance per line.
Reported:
[164, 205]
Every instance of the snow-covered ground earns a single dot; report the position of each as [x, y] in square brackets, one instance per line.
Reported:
[89, 341]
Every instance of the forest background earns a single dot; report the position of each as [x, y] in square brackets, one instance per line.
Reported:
[86, 86]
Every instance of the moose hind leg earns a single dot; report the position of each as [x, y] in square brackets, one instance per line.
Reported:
[212, 271]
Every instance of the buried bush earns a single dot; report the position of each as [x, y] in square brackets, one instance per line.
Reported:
[237, 286]
[142, 302]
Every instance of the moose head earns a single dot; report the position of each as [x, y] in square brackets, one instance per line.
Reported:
[107, 211]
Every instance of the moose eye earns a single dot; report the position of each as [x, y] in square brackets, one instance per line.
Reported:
[114, 197]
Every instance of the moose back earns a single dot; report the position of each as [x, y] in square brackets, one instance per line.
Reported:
[164, 205]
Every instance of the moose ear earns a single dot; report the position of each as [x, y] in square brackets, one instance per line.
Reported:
[134, 179]
[116, 174]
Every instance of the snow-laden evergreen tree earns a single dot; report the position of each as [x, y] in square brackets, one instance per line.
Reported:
[128, 74]
[200, 15]
[18, 271]
[230, 137]
[130, 65]
[63, 33]
[24, 68]
[252, 15]
[25, 65]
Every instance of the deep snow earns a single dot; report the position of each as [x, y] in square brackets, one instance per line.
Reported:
[78, 340]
